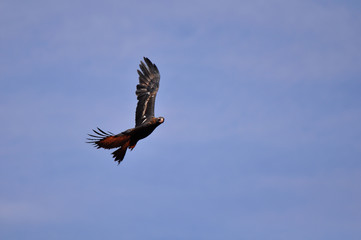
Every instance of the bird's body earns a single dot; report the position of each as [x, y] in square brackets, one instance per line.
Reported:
[145, 122]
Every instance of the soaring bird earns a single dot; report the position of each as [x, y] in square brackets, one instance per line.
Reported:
[145, 122]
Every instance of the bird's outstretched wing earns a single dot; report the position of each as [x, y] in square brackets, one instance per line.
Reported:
[146, 91]
[109, 140]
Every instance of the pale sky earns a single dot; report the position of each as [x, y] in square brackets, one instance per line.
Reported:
[262, 107]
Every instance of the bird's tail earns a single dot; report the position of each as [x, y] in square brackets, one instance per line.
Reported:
[120, 152]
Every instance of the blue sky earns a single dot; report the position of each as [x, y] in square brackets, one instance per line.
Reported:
[262, 107]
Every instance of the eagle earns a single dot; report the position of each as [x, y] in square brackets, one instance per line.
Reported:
[145, 122]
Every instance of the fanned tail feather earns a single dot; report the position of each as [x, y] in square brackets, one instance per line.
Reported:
[120, 153]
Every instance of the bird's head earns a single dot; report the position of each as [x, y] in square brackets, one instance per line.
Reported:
[160, 120]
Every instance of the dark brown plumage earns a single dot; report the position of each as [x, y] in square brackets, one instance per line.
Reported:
[145, 122]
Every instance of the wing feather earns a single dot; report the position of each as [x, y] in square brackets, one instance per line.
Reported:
[146, 91]
[108, 140]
